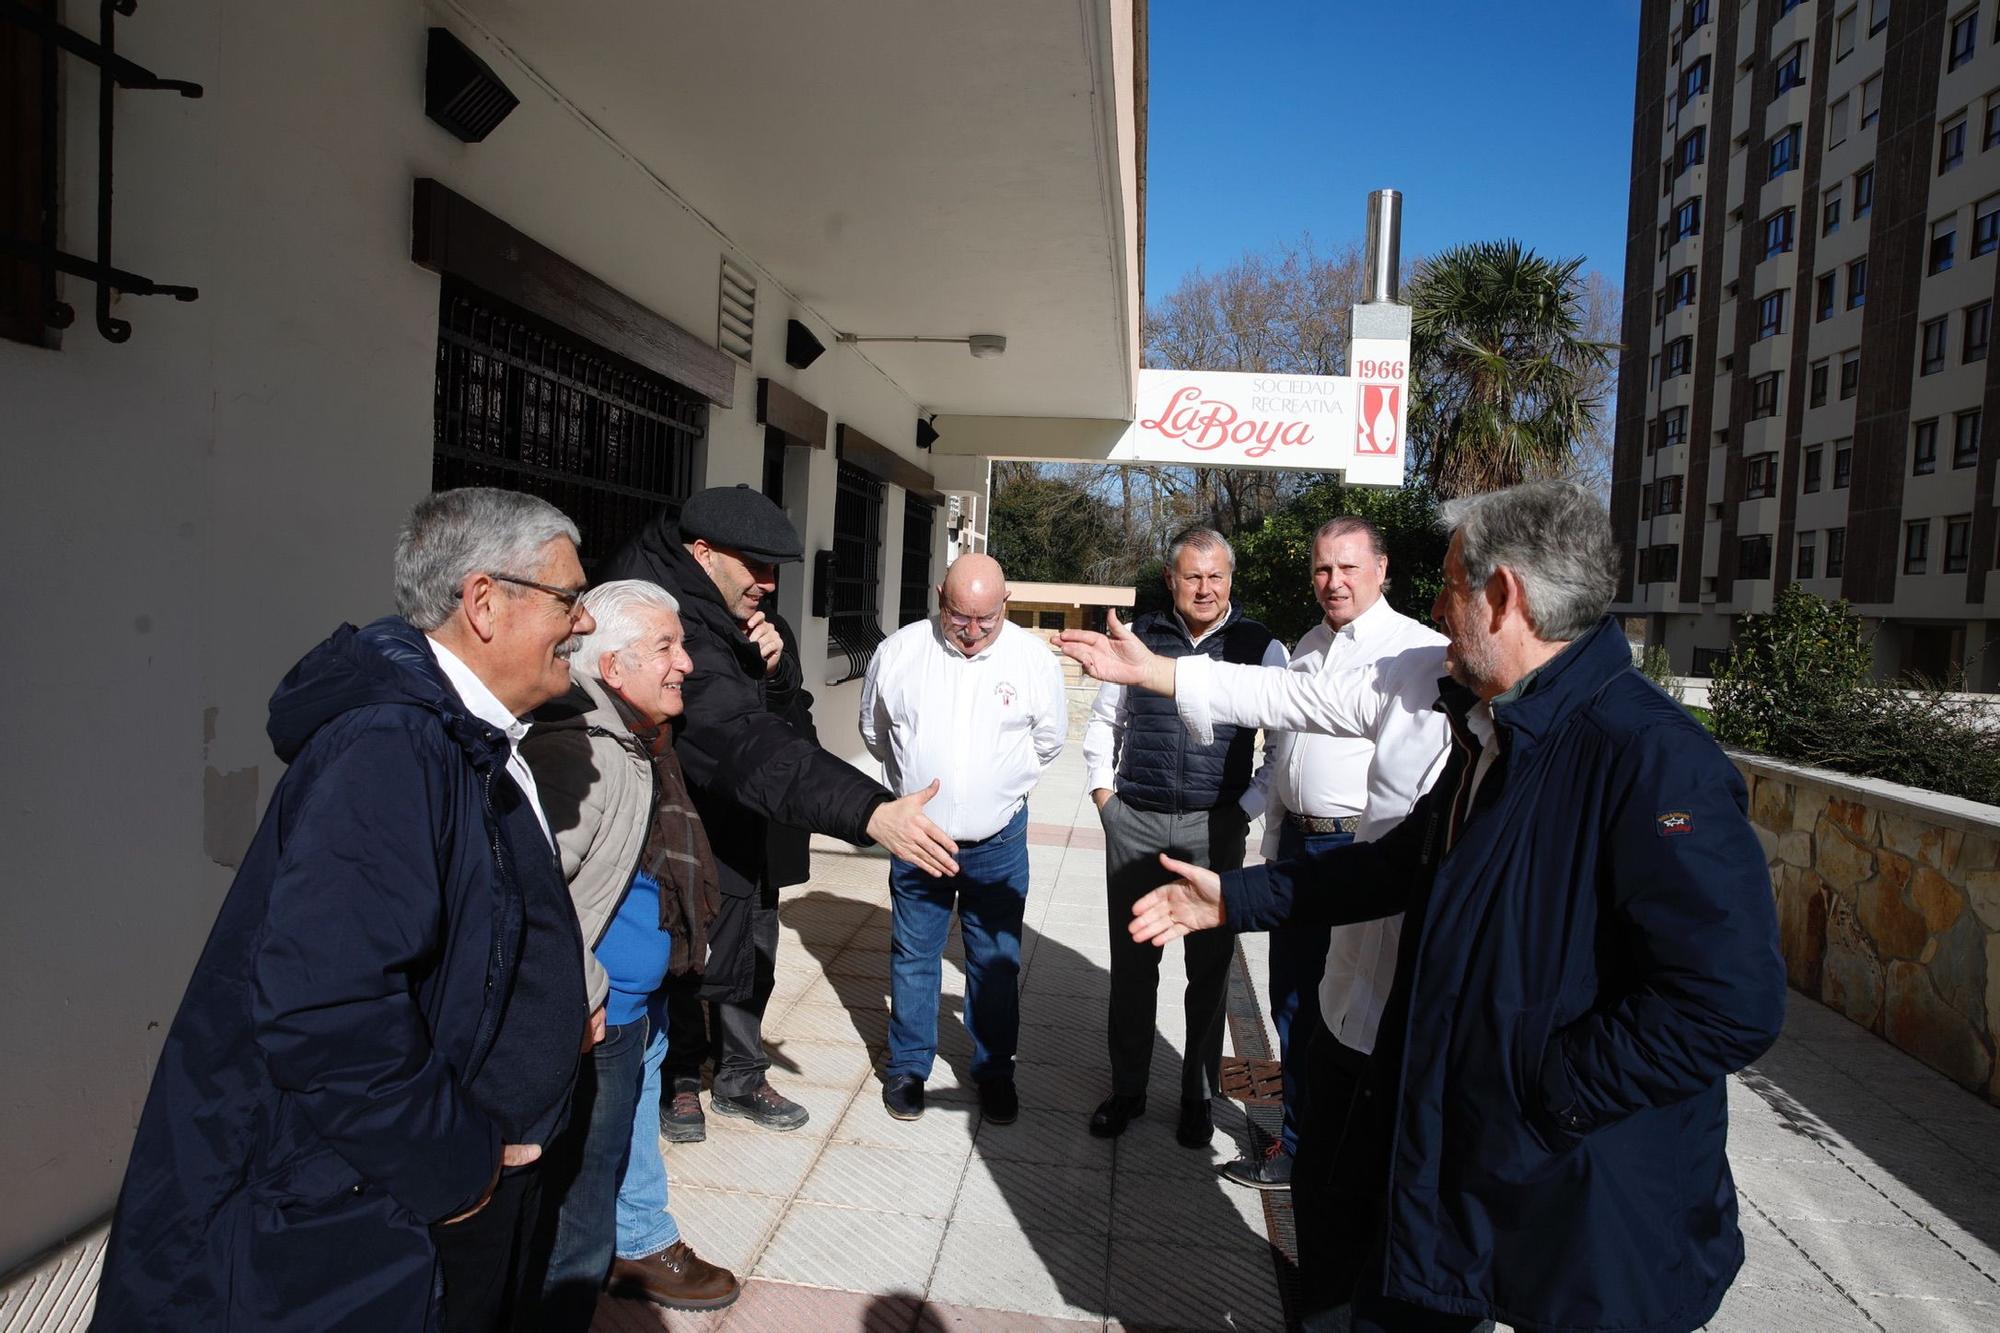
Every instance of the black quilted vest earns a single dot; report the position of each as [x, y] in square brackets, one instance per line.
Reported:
[1159, 766]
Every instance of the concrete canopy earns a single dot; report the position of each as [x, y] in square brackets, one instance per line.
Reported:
[902, 167]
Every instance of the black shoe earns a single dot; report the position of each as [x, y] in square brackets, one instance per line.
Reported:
[1108, 1121]
[764, 1107]
[681, 1120]
[903, 1095]
[998, 1102]
[1272, 1171]
[1197, 1124]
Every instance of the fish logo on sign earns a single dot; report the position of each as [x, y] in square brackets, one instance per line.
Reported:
[1375, 432]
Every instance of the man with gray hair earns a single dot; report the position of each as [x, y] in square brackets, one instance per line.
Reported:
[643, 879]
[381, 1032]
[1159, 792]
[1589, 950]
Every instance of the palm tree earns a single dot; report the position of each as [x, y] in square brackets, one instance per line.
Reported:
[1504, 380]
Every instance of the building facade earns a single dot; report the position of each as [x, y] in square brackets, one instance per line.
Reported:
[630, 285]
[1812, 262]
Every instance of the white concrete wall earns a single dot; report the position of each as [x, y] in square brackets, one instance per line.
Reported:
[189, 512]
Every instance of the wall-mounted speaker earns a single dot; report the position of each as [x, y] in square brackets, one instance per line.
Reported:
[801, 348]
[461, 92]
[926, 434]
[822, 589]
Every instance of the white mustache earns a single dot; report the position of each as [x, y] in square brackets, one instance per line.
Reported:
[569, 646]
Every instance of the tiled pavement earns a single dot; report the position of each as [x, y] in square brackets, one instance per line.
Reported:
[1869, 1186]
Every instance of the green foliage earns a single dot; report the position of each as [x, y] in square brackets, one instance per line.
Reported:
[1658, 668]
[1046, 529]
[1274, 560]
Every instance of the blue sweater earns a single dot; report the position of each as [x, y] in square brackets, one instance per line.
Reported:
[635, 951]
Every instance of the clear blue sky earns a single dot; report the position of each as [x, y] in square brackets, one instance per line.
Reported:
[1269, 118]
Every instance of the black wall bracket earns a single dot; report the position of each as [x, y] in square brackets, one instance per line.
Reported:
[113, 71]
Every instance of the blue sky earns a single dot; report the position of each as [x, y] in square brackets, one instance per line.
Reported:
[1269, 118]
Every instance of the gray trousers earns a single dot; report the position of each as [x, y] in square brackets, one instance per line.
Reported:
[1133, 841]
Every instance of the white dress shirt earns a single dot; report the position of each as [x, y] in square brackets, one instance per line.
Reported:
[984, 726]
[1381, 692]
[1104, 735]
[483, 704]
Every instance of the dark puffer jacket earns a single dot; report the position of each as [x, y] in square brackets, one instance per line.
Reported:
[746, 765]
[1159, 766]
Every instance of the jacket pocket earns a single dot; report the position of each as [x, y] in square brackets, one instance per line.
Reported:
[1533, 1031]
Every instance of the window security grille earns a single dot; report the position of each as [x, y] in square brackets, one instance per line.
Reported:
[919, 524]
[856, 625]
[525, 406]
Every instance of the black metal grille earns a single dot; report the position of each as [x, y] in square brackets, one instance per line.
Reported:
[856, 625]
[529, 407]
[919, 518]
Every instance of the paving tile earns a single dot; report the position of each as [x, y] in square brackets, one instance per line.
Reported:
[890, 1180]
[831, 1064]
[936, 1318]
[1076, 981]
[1226, 1216]
[1791, 1191]
[1772, 1263]
[785, 1307]
[1894, 1272]
[946, 1126]
[1748, 1309]
[1059, 1138]
[830, 1022]
[853, 962]
[725, 1227]
[1161, 1285]
[1035, 1196]
[755, 1163]
[853, 1249]
[1005, 1268]
[824, 1105]
[1084, 1013]
[1062, 1044]
[1062, 1087]
[852, 992]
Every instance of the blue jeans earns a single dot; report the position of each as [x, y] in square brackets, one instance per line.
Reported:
[644, 1224]
[584, 1172]
[1298, 961]
[991, 892]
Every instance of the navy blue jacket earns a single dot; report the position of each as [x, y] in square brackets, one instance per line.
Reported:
[309, 1114]
[1159, 766]
[1579, 973]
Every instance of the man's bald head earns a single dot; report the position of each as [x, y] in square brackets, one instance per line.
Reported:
[972, 603]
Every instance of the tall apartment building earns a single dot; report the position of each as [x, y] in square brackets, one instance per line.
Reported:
[1812, 263]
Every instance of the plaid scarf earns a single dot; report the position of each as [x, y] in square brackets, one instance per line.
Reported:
[679, 859]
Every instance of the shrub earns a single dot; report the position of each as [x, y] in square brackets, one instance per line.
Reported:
[1658, 668]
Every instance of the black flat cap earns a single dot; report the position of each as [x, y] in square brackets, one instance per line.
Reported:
[744, 521]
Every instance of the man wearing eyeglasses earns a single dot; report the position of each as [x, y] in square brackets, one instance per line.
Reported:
[972, 707]
[746, 768]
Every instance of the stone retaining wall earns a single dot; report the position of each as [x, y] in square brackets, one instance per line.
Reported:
[1889, 908]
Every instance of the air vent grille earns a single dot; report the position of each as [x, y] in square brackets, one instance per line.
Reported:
[736, 311]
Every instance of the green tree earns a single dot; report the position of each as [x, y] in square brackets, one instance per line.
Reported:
[1050, 525]
[1274, 560]
[1793, 679]
[1505, 379]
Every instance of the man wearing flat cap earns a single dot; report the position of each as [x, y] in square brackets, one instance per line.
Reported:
[746, 768]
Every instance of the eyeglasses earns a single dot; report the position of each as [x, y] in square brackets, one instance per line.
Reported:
[570, 598]
[957, 621]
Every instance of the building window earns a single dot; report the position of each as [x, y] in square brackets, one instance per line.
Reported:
[1978, 331]
[1871, 99]
[1933, 350]
[1778, 232]
[1836, 552]
[1674, 428]
[1816, 383]
[1814, 459]
[1783, 154]
[1771, 314]
[1791, 69]
[1764, 395]
[1808, 548]
[1826, 295]
[1986, 225]
[1760, 476]
[1844, 30]
[1691, 151]
[1829, 212]
[1923, 452]
[919, 529]
[1944, 244]
[1957, 543]
[1878, 16]
[1680, 289]
[530, 407]
[1965, 439]
[1951, 144]
[1679, 358]
[30, 180]
[1693, 14]
[1850, 373]
[1992, 134]
[1668, 496]
[1786, 6]
[1864, 192]
[855, 626]
[1843, 464]
[1753, 556]
[1687, 220]
[1964, 37]
[1694, 81]
[1659, 564]
[1917, 546]
[1857, 283]
[1646, 501]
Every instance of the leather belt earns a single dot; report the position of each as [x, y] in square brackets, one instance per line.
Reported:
[1323, 823]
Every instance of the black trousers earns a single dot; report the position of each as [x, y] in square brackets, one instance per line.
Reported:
[1334, 1227]
[731, 1033]
[487, 1258]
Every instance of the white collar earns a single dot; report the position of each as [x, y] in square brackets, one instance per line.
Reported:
[1368, 622]
[482, 702]
[1194, 638]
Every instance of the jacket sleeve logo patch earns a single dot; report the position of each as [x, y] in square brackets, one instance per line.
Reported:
[1675, 822]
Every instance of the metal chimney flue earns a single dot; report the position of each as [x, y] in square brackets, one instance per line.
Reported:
[1381, 255]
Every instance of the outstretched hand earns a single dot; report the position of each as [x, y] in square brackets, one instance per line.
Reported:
[1187, 904]
[902, 827]
[1117, 657]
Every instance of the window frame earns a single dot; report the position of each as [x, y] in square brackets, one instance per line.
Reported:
[1804, 560]
[1917, 546]
[1933, 336]
[1924, 447]
[1965, 433]
[1771, 314]
[1957, 52]
[1951, 144]
[1836, 552]
[1943, 251]
[1982, 321]
[1957, 543]
[1764, 395]
[1864, 192]
[1812, 470]
[1857, 283]
[1843, 465]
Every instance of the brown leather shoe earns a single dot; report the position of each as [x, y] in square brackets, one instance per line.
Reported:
[675, 1277]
